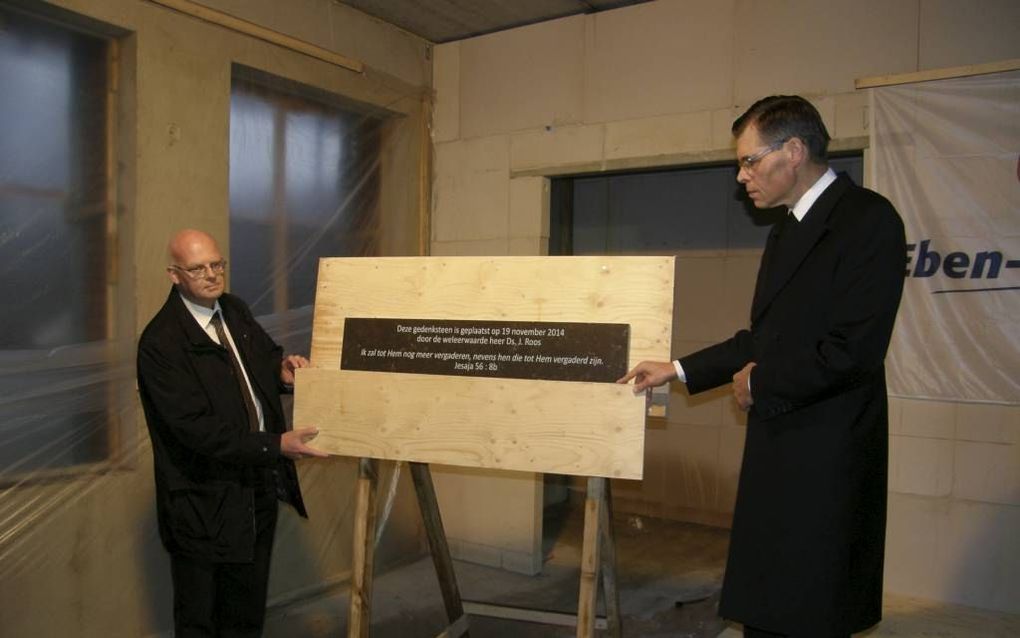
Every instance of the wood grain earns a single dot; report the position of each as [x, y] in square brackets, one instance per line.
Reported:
[633, 290]
[359, 609]
[928, 75]
[588, 591]
[585, 429]
[222, 19]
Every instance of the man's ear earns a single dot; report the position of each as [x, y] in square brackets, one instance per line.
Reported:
[798, 151]
[174, 276]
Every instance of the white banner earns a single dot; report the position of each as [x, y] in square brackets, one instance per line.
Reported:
[947, 154]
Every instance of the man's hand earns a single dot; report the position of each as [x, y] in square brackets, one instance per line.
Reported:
[289, 364]
[292, 444]
[648, 374]
[742, 387]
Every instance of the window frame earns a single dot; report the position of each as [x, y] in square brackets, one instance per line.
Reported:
[290, 91]
[120, 402]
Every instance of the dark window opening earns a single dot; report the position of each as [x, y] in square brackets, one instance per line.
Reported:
[662, 212]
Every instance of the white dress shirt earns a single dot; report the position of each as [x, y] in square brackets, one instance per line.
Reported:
[204, 317]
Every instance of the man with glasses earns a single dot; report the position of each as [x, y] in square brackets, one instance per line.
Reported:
[210, 380]
[808, 540]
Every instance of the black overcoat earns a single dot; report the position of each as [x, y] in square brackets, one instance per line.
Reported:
[807, 546]
[206, 460]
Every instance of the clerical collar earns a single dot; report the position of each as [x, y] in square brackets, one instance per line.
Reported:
[808, 199]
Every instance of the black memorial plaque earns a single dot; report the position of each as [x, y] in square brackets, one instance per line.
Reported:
[511, 349]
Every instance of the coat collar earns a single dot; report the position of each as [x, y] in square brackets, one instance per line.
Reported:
[199, 341]
[196, 335]
[779, 266]
[197, 338]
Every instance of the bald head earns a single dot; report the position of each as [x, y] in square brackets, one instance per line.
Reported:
[196, 266]
[187, 241]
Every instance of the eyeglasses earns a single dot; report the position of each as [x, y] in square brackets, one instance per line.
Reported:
[195, 272]
[748, 161]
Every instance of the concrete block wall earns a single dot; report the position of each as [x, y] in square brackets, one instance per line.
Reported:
[954, 502]
[658, 84]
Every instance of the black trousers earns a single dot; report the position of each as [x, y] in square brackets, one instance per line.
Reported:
[221, 600]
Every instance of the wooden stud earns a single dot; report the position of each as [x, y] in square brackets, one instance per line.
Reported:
[937, 74]
[588, 594]
[438, 546]
[425, 150]
[233, 23]
[359, 617]
[114, 434]
[598, 562]
[611, 595]
[525, 614]
[457, 629]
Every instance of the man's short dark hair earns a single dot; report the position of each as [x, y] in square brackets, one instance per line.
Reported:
[781, 117]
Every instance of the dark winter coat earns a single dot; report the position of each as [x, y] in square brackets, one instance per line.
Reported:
[807, 546]
[206, 460]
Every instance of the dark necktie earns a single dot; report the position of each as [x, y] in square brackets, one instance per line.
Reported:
[249, 403]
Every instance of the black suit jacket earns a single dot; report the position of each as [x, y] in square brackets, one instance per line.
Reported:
[207, 463]
[807, 546]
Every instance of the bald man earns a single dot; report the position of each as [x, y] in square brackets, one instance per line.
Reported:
[210, 380]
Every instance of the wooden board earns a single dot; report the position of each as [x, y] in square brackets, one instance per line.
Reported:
[633, 290]
[586, 429]
[222, 19]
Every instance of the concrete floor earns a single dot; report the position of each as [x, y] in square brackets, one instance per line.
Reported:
[660, 563]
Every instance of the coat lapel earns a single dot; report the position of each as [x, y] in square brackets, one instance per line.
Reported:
[197, 338]
[242, 339]
[761, 283]
[781, 261]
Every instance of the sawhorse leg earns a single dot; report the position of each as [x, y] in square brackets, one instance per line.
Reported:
[598, 557]
[608, 550]
[439, 549]
[598, 552]
[359, 617]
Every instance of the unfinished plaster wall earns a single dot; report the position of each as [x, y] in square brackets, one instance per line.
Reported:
[93, 565]
[659, 84]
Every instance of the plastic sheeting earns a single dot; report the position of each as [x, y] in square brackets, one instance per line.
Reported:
[305, 183]
[65, 386]
[947, 154]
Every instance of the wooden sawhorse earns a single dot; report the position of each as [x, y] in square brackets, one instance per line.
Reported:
[598, 558]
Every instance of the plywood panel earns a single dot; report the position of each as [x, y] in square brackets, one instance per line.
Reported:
[633, 290]
[587, 429]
